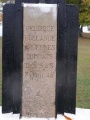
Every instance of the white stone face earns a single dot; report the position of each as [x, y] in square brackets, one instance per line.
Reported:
[39, 60]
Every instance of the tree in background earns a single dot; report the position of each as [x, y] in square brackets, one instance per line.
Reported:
[84, 14]
[7, 0]
[3, 0]
[76, 2]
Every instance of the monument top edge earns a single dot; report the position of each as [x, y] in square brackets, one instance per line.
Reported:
[38, 5]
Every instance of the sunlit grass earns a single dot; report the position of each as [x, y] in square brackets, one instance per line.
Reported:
[83, 81]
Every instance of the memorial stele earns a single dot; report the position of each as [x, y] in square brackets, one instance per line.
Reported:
[39, 60]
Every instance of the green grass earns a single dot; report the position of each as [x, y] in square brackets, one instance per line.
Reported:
[83, 76]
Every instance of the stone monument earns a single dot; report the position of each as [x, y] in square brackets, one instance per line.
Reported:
[39, 60]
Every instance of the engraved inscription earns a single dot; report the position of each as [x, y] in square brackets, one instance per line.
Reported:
[39, 60]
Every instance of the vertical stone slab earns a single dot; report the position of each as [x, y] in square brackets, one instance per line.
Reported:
[39, 60]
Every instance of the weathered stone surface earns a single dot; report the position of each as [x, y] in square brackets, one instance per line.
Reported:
[39, 60]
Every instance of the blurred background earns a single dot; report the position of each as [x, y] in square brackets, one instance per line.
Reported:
[83, 67]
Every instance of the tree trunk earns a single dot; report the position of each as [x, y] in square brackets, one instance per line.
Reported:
[80, 31]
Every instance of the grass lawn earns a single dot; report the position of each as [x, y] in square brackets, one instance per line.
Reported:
[83, 78]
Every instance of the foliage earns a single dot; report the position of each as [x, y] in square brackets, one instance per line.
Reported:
[76, 2]
[3, 0]
[7, 0]
[84, 16]
[85, 12]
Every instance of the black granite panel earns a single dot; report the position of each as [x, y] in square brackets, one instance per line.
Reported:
[8, 58]
[12, 59]
[18, 58]
[71, 57]
[61, 60]
[50, 1]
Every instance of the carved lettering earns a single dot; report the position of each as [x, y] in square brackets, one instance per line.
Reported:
[38, 47]
[40, 28]
[39, 66]
[39, 60]
[34, 37]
